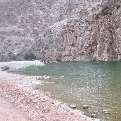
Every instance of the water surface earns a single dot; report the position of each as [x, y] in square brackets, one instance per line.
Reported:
[97, 84]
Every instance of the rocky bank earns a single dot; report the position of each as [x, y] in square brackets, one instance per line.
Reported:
[17, 91]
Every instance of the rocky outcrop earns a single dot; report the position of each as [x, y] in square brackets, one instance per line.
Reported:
[60, 30]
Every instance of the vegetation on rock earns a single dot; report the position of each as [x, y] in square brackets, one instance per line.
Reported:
[29, 56]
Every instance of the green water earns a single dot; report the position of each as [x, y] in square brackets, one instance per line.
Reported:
[97, 84]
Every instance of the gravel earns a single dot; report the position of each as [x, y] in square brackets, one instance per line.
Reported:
[17, 89]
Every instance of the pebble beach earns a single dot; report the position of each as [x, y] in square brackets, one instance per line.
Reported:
[17, 90]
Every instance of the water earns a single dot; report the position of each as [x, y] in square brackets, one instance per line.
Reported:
[97, 84]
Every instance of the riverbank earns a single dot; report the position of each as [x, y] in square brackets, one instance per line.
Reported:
[17, 89]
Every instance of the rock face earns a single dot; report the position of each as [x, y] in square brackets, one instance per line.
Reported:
[60, 30]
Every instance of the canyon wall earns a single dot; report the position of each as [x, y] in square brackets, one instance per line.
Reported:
[60, 30]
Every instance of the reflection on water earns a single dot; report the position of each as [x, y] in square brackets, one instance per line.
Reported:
[97, 84]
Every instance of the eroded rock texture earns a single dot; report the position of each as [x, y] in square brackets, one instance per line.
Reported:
[61, 30]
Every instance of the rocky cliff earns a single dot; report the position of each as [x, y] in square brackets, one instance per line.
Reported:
[60, 30]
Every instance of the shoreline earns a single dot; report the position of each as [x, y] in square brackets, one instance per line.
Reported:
[17, 89]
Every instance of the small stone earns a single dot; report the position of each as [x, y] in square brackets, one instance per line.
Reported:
[35, 101]
[42, 116]
[72, 106]
[37, 83]
[94, 115]
[96, 112]
[85, 106]
[48, 77]
[62, 77]
[39, 78]
[106, 112]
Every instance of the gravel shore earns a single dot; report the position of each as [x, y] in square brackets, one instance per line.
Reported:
[17, 90]
[9, 113]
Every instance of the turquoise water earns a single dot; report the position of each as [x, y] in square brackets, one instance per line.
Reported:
[97, 84]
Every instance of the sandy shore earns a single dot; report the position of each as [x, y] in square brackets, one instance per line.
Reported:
[18, 92]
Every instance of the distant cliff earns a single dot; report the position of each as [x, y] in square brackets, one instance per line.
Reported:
[60, 30]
